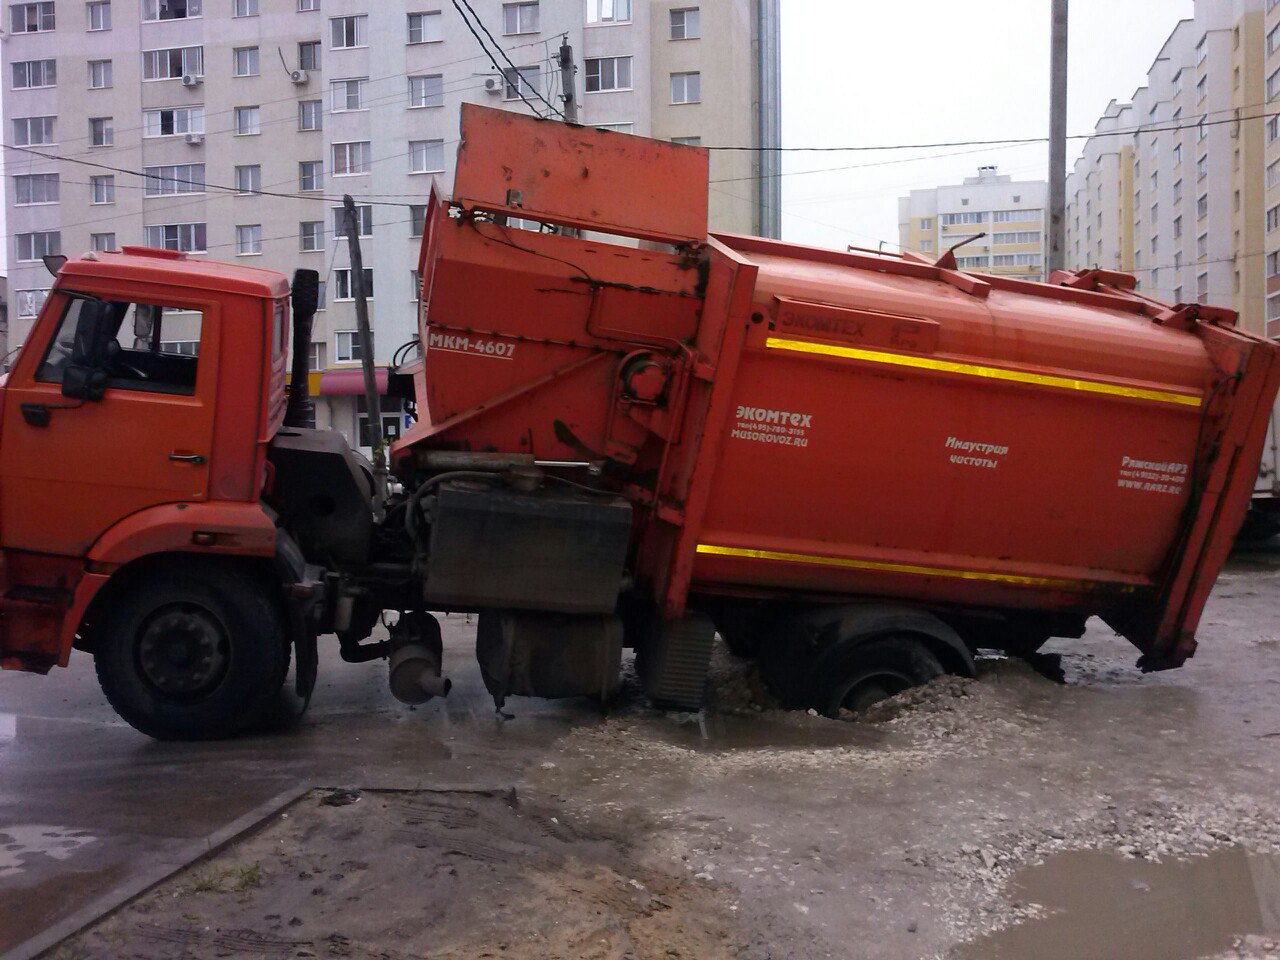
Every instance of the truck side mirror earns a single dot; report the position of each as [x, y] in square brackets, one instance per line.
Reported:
[85, 375]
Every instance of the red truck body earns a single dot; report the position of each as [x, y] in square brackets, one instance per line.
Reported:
[802, 423]
[857, 467]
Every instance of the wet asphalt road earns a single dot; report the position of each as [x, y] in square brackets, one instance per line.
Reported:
[88, 805]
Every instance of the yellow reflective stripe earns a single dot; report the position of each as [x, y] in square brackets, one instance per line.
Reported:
[718, 551]
[974, 370]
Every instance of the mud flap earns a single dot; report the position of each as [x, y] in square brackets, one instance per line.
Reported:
[306, 666]
[674, 659]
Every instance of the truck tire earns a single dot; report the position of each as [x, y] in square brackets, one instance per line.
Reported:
[873, 671]
[198, 652]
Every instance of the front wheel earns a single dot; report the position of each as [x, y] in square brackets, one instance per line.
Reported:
[196, 652]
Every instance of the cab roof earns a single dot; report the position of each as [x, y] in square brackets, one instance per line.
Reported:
[152, 265]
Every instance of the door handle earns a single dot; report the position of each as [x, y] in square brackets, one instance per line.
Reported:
[186, 457]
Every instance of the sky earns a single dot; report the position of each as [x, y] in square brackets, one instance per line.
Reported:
[864, 73]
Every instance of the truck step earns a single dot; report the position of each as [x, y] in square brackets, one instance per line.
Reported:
[673, 665]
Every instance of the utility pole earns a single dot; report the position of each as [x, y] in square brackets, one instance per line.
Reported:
[567, 80]
[1057, 241]
[373, 406]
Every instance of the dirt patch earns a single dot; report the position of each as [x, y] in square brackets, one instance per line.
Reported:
[449, 875]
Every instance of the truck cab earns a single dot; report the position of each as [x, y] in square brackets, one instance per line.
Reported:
[134, 432]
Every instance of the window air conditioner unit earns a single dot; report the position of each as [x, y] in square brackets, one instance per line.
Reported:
[298, 76]
[191, 80]
[195, 139]
[494, 84]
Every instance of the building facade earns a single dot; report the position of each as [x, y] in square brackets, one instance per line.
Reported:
[232, 129]
[1010, 212]
[1177, 186]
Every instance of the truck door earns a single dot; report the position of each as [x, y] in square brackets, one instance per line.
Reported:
[71, 468]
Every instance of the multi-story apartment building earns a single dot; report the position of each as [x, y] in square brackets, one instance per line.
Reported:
[1173, 186]
[232, 129]
[1010, 212]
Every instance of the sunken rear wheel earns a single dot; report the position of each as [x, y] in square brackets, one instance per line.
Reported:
[196, 652]
[872, 671]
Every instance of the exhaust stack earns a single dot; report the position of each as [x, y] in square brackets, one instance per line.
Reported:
[305, 296]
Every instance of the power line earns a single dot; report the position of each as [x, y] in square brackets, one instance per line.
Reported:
[519, 76]
[497, 46]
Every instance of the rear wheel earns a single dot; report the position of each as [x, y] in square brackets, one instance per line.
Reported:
[873, 671]
[198, 652]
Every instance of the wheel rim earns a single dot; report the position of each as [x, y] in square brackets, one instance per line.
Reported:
[871, 688]
[183, 651]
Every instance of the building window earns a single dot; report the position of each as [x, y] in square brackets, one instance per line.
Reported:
[310, 115]
[311, 175]
[305, 6]
[1177, 191]
[247, 122]
[347, 342]
[30, 302]
[343, 289]
[519, 18]
[1019, 236]
[686, 24]
[687, 141]
[364, 222]
[951, 219]
[249, 178]
[1202, 246]
[1202, 288]
[1202, 206]
[33, 246]
[426, 91]
[99, 14]
[348, 32]
[29, 74]
[248, 239]
[926, 223]
[171, 180]
[1177, 227]
[185, 237]
[309, 55]
[417, 219]
[102, 189]
[1273, 174]
[245, 61]
[350, 159]
[1273, 218]
[1202, 167]
[425, 27]
[311, 235]
[686, 87]
[520, 84]
[102, 132]
[1273, 310]
[1273, 39]
[315, 356]
[426, 156]
[32, 131]
[172, 121]
[1007, 216]
[622, 127]
[170, 9]
[608, 11]
[33, 188]
[1155, 213]
[608, 73]
[1273, 129]
[173, 63]
[102, 241]
[1202, 89]
[1202, 50]
[1177, 83]
[99, 74]
[31, 17]
[347, 94]
[245, 8]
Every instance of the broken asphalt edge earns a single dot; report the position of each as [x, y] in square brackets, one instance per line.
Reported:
[209, 846]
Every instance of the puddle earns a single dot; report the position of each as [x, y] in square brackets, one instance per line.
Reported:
[24, 842]
[1100, 905]
[716, 732]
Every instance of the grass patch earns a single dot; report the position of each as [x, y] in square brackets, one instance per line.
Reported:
[232, 880]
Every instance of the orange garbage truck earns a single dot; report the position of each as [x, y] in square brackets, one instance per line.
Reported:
[856, 467]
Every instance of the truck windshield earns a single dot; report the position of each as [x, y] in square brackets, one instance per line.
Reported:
[154, 348]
